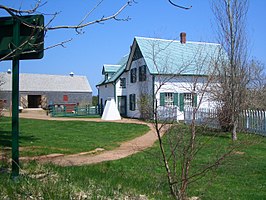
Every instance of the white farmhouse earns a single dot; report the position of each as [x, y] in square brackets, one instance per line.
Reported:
[162, 75]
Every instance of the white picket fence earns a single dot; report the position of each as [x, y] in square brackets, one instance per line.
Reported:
[203, 116]
[253, 121]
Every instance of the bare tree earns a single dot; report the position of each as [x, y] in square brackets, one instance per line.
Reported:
[256, 91]
[17, 13]
[180, 147]
[233, 71]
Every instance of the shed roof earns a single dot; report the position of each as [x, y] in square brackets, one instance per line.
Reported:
[47, 83]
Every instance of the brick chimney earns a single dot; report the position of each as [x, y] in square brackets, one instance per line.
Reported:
[183, 38]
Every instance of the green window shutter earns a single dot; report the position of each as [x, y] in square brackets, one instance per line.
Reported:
[181, 102]
[176, 99]
[140, 74]
[130, 102]
[144, 73]
[134, 101]
[195, 100]
[162, 95]
[131, 76]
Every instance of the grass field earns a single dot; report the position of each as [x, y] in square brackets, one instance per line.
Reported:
[45, 137]
[242, 176]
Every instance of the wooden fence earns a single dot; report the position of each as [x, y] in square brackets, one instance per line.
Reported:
[253, 121]
[203, 116]
[167, 113]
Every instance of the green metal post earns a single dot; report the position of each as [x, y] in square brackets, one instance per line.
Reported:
[64, 110]
[15, 102]
[53, 111]
[76, 111]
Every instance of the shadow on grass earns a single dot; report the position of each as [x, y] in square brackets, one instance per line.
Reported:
[6, 138]
[212, 132]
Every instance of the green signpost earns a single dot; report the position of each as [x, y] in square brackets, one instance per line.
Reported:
[21, 37]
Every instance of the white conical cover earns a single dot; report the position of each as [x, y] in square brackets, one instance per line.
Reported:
[110, 111]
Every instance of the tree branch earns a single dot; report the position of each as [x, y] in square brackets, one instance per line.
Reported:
[178, 6]
[97, 21]
[13, 11]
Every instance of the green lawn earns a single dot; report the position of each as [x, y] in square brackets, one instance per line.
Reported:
[46, 137]
[241, 176]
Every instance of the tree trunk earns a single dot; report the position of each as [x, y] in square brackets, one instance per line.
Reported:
[234, 135]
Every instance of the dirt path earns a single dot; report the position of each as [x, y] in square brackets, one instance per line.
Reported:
[126, 148]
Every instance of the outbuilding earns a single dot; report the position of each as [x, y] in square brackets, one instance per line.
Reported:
[42, 90]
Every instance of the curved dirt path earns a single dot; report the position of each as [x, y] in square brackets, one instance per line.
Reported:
[125, 149]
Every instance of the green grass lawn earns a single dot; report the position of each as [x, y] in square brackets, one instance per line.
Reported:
[241, 176]
[45, 137]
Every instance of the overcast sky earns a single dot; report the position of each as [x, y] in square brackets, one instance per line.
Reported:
[107, 43]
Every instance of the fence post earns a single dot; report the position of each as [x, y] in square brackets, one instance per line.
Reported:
[64, 110]
[87, 110]
[53, 111]
[76, 110]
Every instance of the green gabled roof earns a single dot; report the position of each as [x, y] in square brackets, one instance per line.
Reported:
[173, 57]
[120, 67]
[110, 68]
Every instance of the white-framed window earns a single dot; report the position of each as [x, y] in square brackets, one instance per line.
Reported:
[188, 100]
[169, 99]
[123, 82]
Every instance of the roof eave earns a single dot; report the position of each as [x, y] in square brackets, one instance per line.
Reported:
[171, 74]
[131, 54]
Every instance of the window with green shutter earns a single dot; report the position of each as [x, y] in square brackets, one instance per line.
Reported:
[142, 73]
[168, 99]
[181, 102]
[176, 99]
[133, 75]
[195, 100]
[132, 102]
[187, 99]
[162, 103]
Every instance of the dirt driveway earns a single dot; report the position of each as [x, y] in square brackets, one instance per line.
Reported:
[84, 158]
